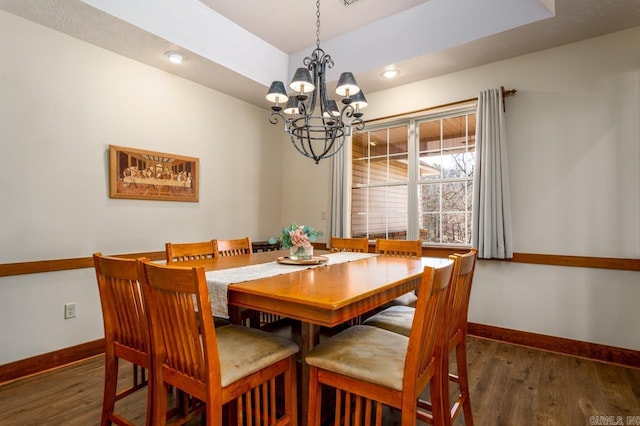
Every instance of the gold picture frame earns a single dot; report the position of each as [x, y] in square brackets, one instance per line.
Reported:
[148, 175]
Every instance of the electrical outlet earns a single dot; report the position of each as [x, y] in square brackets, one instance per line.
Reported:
[70, 310]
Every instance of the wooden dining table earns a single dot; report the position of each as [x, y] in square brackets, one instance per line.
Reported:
[323, 296]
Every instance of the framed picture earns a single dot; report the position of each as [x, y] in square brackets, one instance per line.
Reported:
[148, 175]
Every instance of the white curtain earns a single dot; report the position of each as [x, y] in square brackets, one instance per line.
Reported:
[491, 233]
[338, 194]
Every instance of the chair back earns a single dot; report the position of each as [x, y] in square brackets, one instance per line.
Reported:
[259, 246]
[232, 247]
[401, 248]
[124, 311]
[359, 245]
[237, 247]
[461, 292]
[182, 252]
[182, 330]
[427, 331]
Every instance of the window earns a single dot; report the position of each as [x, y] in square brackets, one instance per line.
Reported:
[413, 178]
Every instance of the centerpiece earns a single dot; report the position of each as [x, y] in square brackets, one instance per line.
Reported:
[298, 239]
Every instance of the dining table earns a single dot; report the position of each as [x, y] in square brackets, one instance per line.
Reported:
[326, 293]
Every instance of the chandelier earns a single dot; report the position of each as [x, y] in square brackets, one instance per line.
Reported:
[315, 123]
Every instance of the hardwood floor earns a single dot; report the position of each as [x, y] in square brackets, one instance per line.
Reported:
[510, 385]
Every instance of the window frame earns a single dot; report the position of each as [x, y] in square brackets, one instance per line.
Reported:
[412, 122]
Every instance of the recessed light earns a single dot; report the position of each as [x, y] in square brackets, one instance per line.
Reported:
[390, 73]
[175, 57]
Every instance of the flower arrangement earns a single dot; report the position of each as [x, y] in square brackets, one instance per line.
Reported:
[297, 236]
[298, 239]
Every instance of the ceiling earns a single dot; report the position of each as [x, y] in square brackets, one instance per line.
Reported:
[239, 46]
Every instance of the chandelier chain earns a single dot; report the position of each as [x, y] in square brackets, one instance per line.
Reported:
[318, 24]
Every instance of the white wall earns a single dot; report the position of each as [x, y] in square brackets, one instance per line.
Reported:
[574, 149]
[62, 102]
[305, 190]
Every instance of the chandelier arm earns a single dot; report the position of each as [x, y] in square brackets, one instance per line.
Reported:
[276, 116]
[302, 107]
[314, 96]
[348, 110]
[273, 117]
[324, 106]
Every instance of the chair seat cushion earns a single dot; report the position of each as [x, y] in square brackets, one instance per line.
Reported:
[396, 318]
[245, 350]
[408, 299]
[366, 353]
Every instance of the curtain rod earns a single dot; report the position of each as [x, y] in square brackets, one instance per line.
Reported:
[506, 93]
[503, 91]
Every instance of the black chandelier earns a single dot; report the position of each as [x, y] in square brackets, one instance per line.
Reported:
[317, 134]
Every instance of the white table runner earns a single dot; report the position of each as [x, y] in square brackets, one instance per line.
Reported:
[218, 281]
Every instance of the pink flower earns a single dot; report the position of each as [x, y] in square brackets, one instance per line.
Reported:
[299, 238]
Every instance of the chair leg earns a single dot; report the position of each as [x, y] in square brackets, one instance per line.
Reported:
[135, 375]
[160, 391]
[463, 381]
[408, 412]
[150, 385]
[110, 385]
[291, 401]
[315, 398]
[213, 414]
[439, 414]
[444, 390]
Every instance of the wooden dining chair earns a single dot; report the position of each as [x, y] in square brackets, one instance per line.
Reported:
[399, 319]
[369, 367]
[181, 252]
[126, 332]
[214, 365]
[358, 245]
[402, 248]
[232, 247]
[237, 247]
[185, 252]
[260, 246]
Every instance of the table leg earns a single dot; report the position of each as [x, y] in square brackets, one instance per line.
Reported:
[234, 315]
[309, 338]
